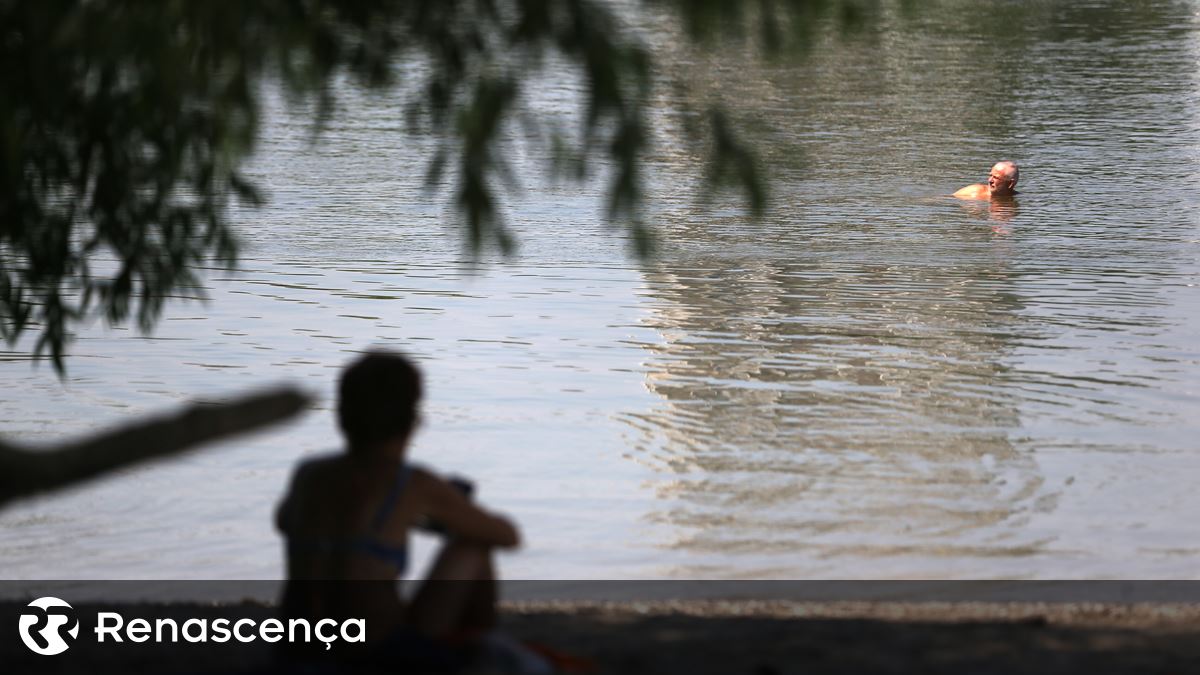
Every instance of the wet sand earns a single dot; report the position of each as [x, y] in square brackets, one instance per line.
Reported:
[854, 637]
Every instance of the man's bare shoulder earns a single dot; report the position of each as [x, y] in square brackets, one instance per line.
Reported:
[976, 191]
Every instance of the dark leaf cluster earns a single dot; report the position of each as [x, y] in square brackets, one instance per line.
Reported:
[124, 126]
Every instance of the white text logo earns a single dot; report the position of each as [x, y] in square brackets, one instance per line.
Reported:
[111, 625]
[42, 631]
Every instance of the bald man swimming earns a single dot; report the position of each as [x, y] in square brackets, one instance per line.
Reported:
[1002, 182]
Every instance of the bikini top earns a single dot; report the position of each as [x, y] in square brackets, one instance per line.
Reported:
[369, 543]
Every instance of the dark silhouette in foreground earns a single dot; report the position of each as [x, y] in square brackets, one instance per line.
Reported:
[347, 519]
[28, 472]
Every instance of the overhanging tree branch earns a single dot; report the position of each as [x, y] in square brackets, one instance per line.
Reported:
[28, 472]
[124, 126]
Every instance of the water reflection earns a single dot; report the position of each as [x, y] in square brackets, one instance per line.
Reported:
[831, 410]
[997, 212]
[880, 371]
[878, 380]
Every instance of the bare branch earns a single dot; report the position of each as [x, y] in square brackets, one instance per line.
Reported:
[28, 472]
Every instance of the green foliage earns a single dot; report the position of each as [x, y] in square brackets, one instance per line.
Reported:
[123, 125]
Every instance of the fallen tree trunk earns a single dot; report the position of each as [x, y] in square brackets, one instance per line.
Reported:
[27, 472]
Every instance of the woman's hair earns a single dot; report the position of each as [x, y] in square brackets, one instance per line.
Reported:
[377, 399]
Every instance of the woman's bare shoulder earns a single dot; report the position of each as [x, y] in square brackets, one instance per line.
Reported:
[319, 463]
[318, 471]
[422, 478]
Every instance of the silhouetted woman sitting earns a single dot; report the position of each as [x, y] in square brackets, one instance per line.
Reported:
[347, 519]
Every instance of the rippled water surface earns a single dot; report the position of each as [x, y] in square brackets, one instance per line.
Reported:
[875, 381]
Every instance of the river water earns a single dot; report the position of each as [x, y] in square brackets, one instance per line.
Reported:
[874, 381]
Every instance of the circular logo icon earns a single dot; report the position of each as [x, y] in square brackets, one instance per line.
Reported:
[42, 630]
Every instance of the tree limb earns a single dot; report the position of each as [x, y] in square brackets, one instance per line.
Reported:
[25, 472]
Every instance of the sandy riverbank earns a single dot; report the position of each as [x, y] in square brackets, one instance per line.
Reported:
[855, 637]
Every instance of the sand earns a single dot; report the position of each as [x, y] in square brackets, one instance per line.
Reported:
[860, 637]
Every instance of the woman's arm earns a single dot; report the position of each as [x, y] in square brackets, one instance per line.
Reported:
[449, 507]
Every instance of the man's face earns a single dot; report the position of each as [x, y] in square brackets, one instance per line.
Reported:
[1000, 180]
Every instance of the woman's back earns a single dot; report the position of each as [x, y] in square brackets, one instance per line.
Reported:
[346, 520]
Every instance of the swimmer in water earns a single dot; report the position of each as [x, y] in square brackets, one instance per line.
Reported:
[1002, 182]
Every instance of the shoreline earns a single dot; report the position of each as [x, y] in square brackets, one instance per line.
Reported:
[775, 637]
[1138, 615]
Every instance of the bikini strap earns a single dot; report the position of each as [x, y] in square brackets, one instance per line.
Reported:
[392, 499]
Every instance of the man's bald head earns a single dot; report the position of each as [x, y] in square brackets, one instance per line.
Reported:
[1002, 180]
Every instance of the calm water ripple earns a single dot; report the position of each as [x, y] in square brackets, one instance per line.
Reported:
[875, 381]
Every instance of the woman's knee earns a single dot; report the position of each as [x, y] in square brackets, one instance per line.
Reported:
[465, 560]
